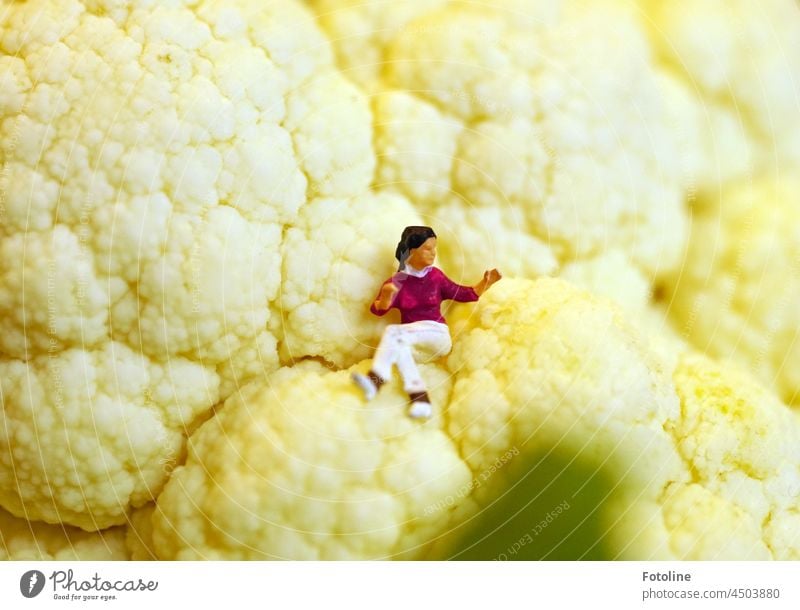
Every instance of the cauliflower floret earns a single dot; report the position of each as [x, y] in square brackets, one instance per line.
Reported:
[301, 468]
[612, 275]
[540, 360]
[712, 141]
[417, 144]
[152, 158]
[743, 448]
[473, 239]
[474, 99]
[87, 433]
[363, 29]
[139, 534]
[705, 526]
[334, 259]
[22, 540]
[702, 457]
[742, 56]
[736, 294]
[698, 460]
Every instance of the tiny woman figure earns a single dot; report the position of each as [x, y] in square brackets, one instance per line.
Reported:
[417, 290]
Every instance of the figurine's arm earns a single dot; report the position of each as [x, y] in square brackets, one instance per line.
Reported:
[489, 278]
[455, 292]
[385, 298]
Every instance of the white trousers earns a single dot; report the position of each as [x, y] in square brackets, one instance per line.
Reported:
[405, 344]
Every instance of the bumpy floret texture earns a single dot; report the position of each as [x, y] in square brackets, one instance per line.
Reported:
[89, 432]
[742, 446]
[703, 463]
[704, 458]
[152, 154]
[740, 59]
[190, 199]
[736, 294]
[541, 362]
[277, 476]
[22, 540]
[473, 100]
[332, 257]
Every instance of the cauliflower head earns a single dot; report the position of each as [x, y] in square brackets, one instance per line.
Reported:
[701, 463]
[23, 540]
[703, 458]
[735, 297]
[740, 59]
[152, 157]
[524, 108]
[332, 256]
[301, 468]
[192, 196]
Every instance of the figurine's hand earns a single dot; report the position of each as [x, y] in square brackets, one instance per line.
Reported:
[491, 276]
[387, 295]
[389, 290]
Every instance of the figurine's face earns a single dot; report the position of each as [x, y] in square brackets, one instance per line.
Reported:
[422, 257]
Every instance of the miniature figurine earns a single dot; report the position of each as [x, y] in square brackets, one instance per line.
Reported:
[417, 291]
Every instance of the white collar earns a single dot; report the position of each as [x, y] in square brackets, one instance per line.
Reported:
[408, 269]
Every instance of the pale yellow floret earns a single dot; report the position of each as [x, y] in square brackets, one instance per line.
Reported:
[742, 446]
[22, 540]
[736, 294]
[301, 467]
[473, 99]
[740, 58]
[153, 156]
[334, 261]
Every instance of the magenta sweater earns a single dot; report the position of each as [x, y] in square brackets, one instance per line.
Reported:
[420, 298]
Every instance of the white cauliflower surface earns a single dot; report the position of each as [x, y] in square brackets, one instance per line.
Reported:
[22, 540]
[199, 199]
[152, 156]
[735, 297]
[740, 59]
[301, 467]
[523, 110]
[334, 259]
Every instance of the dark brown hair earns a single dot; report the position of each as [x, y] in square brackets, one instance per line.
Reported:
[412, 237]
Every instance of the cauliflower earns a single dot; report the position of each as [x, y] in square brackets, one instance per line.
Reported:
[743, 449]
[470, 235]
[363, 29]
[332, 257]
[741, 59]
[275, 476]
[197, 205]
[704, 461]
[536, 367]
[152, 159]
[473, 99]
[139, 534]
[545, 361]
[736, 294]
[88, 432]
[22, 540]
[612, 275]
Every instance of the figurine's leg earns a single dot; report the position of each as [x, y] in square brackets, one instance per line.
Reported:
[409, 371]
[420, 406]
[431, 339]
[388, 350]
[385, 358]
